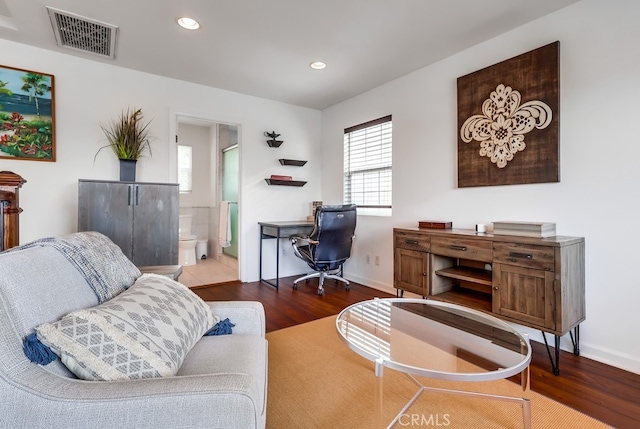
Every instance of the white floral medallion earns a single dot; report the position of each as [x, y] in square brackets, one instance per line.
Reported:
[502, 126]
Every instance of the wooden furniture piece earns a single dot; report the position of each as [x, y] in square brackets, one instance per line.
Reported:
[535, 282]
[280, 230]
[10, 184]
[141, 218]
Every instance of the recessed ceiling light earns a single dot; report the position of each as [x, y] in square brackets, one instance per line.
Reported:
[188, 23]
[317, 65]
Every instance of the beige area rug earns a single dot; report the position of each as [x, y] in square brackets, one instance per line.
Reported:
[316, 381]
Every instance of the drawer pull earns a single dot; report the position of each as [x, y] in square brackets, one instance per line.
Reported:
[461, 248]
[521, 255]
[411, 242]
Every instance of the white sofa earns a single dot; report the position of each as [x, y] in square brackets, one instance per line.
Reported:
[222, 382]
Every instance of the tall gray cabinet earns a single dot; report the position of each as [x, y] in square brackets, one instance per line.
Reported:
[141, 218]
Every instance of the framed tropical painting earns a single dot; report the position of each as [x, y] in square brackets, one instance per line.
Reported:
[27, 119]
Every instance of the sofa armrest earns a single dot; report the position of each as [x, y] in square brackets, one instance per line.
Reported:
[248, 316]
[210, 400]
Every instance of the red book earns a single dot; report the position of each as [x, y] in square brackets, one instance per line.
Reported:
[278, 177]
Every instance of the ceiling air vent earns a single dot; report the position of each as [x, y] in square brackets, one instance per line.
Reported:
[83, 34]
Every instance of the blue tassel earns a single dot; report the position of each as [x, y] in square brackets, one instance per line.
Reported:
[36, 351]
[223, 327]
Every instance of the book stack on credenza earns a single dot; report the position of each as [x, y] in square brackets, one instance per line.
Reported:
[525, 229]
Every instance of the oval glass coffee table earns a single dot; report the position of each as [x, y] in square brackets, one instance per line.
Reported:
[434, 339]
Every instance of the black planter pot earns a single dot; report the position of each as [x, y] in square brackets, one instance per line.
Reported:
[128, 170]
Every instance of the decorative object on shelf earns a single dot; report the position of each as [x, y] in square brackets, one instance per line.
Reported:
[128, 138]
[314, 206]
[272, 142]
[279, 177]
[434, 224]
[525, 229]
[285, 182]
[295, 162]
[27, 115]
[508, 121]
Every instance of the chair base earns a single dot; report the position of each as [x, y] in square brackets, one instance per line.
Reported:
[322, 275]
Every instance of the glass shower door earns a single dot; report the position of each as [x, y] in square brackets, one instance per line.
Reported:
[230, 175]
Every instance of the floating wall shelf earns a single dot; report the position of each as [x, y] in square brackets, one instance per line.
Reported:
[275, 143]
[295, 162]
[285, 182]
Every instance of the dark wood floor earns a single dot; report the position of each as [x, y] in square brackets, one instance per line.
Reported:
[606, 393]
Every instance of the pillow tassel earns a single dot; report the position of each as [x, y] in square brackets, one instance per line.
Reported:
[36, 351]
[223, 327]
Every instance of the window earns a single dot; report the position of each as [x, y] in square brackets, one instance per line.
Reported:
[184, 168]
[367, 164]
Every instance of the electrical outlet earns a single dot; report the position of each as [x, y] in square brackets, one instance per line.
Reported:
[368, 258]
[377, 260]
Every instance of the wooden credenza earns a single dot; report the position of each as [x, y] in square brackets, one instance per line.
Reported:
[535, 282]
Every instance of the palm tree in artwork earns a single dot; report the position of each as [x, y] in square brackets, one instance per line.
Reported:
[35, 84]
[3, 90]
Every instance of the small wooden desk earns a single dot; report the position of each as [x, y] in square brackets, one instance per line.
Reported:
[278, 230]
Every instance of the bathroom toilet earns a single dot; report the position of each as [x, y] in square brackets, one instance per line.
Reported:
[187, 241]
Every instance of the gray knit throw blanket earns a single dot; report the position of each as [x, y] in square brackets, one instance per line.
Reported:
[100, 261]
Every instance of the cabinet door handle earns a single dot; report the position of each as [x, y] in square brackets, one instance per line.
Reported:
[521, 255]
[461, 248]
[411, 242]
[129, 202]
[136, 195]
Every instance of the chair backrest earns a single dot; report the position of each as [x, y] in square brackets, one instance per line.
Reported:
[335, 227]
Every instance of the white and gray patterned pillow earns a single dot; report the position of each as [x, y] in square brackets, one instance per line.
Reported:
[144, 332]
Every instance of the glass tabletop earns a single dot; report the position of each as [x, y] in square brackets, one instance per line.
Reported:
[434, 339]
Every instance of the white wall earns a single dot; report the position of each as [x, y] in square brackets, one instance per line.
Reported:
[598, 196]
[89, 93]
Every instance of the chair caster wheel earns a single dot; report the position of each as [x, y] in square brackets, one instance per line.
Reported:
[347, 288]
[295, 286]
[320, 292]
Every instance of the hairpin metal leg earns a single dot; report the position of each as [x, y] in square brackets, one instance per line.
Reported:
[555, 365]
[575, 340]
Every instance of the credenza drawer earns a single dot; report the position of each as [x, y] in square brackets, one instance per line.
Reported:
[462, 248]
[524, 255]
[409, 241]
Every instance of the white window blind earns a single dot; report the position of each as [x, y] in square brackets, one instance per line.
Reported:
[367, 164]
[185, 163]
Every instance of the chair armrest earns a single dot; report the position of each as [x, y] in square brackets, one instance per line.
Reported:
[248, 316]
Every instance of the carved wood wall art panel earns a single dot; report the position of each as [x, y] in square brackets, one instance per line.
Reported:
[508, 121]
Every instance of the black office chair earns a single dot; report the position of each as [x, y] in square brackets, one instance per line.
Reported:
[328, 246]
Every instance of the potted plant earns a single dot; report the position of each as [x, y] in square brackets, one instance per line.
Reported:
[128, 137]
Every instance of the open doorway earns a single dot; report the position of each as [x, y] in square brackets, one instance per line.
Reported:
[207, 168]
